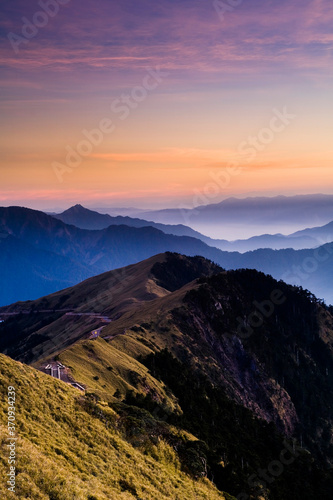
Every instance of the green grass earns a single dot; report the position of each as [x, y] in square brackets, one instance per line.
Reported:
[114, 367]
[65, 453]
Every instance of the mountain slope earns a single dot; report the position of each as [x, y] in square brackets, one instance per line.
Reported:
[71, 447]
[206, 321]
[151, 293]
[28, 272]
[84, 218]
[47, 327]
[88, 252]
[234, 358]
[312, 268]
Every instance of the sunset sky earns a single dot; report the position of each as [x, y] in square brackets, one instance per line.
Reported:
[196, 87]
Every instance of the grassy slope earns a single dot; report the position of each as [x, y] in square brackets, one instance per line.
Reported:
[103, 293]
[110, 294]
[64, 453]
[123, 293]
[90, 358]
[115, 369]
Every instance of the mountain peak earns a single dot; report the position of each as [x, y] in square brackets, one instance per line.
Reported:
[76, 208]
[84, 218]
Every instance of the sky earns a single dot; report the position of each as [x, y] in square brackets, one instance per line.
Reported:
[164, 103]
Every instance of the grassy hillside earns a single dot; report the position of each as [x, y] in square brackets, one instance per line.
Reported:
[104, 369]
[222, 369]
[37, 334]
[69, 448]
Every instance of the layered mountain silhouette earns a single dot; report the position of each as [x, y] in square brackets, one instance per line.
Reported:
[63, 254]
[84, 218]
[307, 238]
[250, 216]
[82, 253]
[226, 368]
[28, 271]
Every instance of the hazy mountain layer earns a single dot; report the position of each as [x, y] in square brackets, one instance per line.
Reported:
[242, 218]
[308, 238]
[84, 253]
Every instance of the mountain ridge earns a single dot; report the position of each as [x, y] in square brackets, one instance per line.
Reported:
[237, 359]
[237, 215]
[308, 238]
[97, 251]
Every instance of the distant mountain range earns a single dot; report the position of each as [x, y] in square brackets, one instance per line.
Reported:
[50, 254]
[28, 271]
[308, 238]
[84, 218]
[239, 218]
[40, 254]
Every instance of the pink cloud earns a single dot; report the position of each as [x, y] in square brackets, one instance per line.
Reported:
[191, 39]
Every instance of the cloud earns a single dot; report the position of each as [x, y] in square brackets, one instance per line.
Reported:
[184, 36]
[171, 158]
[223, 77]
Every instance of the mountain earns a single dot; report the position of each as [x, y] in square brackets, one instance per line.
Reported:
[28, 272]
[303, 239]
[310, 268]
[323, 234]
[242, 218]
[109, 294]
[71, 446]
[86, 253]
[91, 247]
[308, 238]
[80, 253]
[237, 363]
[272, 241]
[84, 218]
